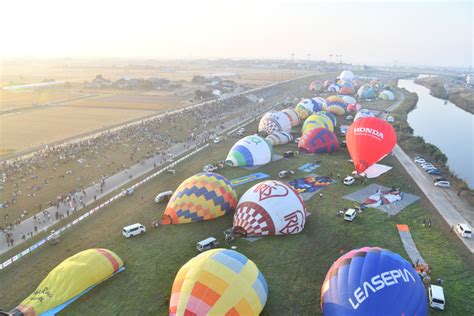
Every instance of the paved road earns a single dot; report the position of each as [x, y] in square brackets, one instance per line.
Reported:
[453, 209]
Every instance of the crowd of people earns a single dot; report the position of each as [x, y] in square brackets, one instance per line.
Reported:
[23, 180]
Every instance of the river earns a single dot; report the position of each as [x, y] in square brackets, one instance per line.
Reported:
[445, 125]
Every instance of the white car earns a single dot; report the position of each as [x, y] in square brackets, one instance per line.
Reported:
[442, 184]
[241, 130]
[427, 166]
[350, 214]
[464, 230]
[133, 230]
[217, 140]
[163, 196]
[209, 168]
[390, 119]
[436, 296]
[420, 160]
[349, 117]
[348, 180]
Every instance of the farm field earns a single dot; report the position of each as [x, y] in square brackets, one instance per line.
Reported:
[132, 102]
[20, 99]
[294, 266]
[24, 130]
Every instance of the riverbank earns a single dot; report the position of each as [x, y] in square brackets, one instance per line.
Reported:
[417, 146]
[460, 96]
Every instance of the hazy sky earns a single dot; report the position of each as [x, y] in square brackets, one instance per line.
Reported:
[422, 33]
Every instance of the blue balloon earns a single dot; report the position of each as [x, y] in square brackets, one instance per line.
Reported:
[373, 281]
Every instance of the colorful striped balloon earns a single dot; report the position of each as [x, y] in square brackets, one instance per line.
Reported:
[218, 282]
[201, 197]
[336, 105]
[317, 121]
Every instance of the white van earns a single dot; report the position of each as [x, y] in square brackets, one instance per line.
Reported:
[436, 296]
[442, 184]
[350, 214]
[133, 230]
[217, 140]
[207, 244]
[163, 196]
[464, 230]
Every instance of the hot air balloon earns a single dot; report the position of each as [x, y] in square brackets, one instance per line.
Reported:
[330, 115]
[273, 122]
[320, 101]
[333, 88]
[346, 75]
[279, 138]
[335, 104]
[363, 113]
[347, 88]
[304, 108]
[369, 139]
[201, 197]
[218, 282]
[373, 281]
[327, 83]
[317, 121]
[269, 208]
[387, 95]
[292, 116]
[317, 105]
[315, 86]
[366, 91]
[353, 107]
[348, 99]
[318, 140]
[68, 281]
[250, 151]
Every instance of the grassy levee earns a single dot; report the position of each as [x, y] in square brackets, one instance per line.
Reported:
[294, 266]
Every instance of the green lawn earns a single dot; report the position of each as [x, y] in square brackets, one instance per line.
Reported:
[294, 266]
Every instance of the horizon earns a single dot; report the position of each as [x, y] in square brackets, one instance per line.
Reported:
[246, 31]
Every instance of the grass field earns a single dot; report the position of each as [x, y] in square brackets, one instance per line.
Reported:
[294, 266]
[24, 130]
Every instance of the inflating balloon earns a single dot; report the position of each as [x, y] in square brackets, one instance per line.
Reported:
[218, 282]
[317, 121]
[273, 122]
[279, 138]
[369, 140]
[318, 140]
[250, 151]
[201, 197]
[269, 208]
[373, 281]
[336, 105]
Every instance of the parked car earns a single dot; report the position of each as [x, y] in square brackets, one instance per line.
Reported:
[285, 174]
[207, 244]
[434, 172]
[288, 154]
[464, 230]
[350, 214]
[349, 117]
[297, 140]
[348, 180]
[420, 160]
[133, 230]
[440, 179]
[217, 140]
[241, 130]
[128, 191]
[390, 119]
[436, 296]
[209, 168]
[240, 134]
[442, 184]
[427, 167]
[163, 196]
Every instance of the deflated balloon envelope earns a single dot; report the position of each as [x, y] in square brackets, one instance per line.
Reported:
[69, 280]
